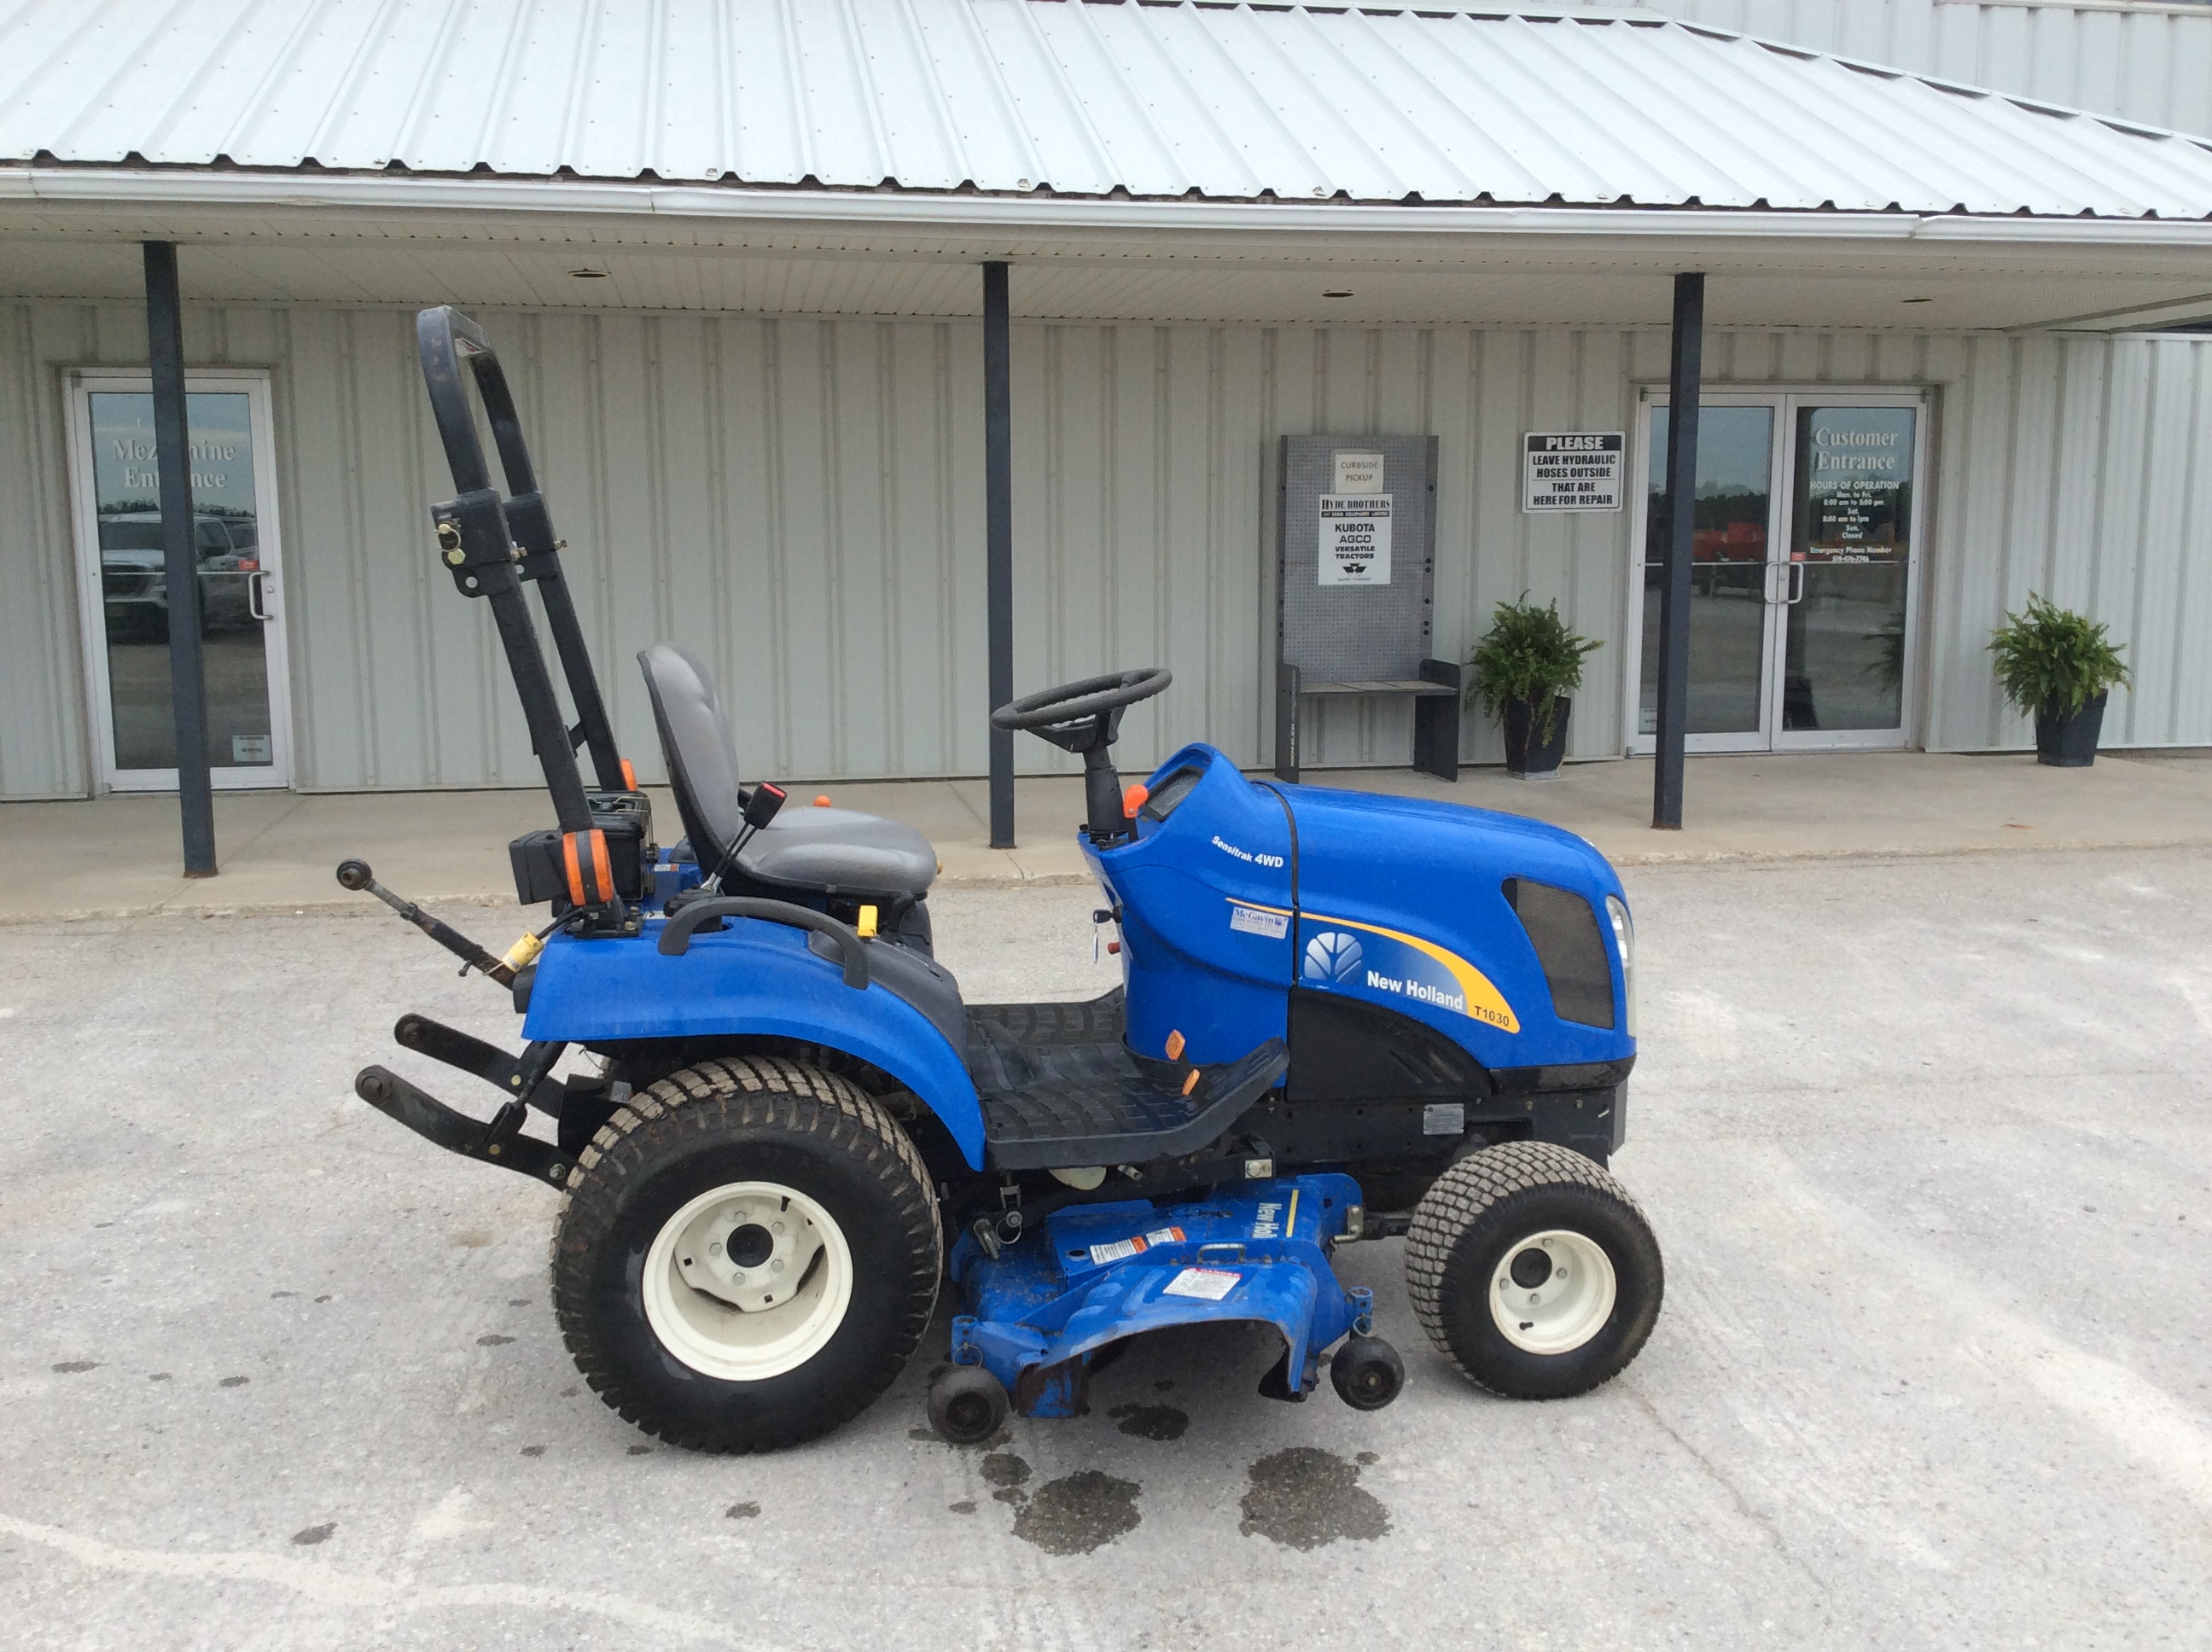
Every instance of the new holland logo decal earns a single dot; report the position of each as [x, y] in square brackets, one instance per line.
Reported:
[1343, 954]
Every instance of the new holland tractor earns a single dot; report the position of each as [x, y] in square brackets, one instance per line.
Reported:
[1343, 1017]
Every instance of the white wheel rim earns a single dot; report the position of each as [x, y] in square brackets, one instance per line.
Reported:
[748, 1281]
[1561, 1312]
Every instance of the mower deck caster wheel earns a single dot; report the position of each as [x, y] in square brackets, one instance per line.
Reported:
[1367, 1373]
[967, 1405]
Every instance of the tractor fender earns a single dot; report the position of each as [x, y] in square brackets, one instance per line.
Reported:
[753, 978]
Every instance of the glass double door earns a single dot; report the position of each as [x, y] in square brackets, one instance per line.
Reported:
[121, 573]
[1801, 576]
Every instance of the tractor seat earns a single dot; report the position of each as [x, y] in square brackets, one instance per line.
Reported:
[824, 851]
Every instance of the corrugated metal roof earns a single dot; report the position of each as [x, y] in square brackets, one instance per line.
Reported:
[1077, 97]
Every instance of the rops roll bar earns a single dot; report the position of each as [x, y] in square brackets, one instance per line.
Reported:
[492, 546]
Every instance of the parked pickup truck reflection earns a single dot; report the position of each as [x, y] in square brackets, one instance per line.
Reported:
[137, 589]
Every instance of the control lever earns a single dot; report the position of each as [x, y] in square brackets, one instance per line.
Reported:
[760, 808]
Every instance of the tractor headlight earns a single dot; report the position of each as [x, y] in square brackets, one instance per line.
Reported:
[1624, 940]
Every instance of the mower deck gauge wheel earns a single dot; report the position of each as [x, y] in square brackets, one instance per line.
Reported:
[748, 1280]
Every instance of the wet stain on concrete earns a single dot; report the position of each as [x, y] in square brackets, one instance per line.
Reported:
[1079, 1512]
[742, 1512]
[570, 1392]
[1152, 1422]
[1004, 1469]
[275, 1296]
[518, 1302]
[71, 1367]
[493, 1341]
[322, 1299]
[965, 1506]
[533, 1451]
[1164, 1385]
[1367, 1460]
[1304, 1497]
[233, 1382]
[921, 1434]
[471, 1239]
[640, 1451]
[157, 1376]
[315, 1534]
[1012, 1496]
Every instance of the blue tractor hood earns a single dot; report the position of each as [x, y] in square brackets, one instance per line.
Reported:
[1243, 891]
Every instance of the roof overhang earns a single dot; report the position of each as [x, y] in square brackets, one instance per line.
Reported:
[406, 239]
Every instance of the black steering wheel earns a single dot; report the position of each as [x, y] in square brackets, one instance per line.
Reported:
[1071, 703]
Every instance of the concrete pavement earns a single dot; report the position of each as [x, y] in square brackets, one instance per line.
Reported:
[1925, 1141]
[118, 856]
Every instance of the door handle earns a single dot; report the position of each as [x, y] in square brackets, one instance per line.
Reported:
[257, 596]
[1797, 586]
[1766, 584]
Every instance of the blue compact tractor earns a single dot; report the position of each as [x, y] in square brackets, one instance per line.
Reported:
[1342, 1018]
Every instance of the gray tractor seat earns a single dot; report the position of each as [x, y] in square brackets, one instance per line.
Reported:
[839, 852]
[824, 851]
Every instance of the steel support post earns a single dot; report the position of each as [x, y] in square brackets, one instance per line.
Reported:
[165, 337]
[1685, 382]
[999, 520]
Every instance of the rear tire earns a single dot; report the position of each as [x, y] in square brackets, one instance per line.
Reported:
[1533, 1270]
[749, 1254]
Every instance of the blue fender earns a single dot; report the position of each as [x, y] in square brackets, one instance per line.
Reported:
[752, 978]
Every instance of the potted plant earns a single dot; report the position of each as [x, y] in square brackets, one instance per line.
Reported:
[2059, 666]
[1524, 671]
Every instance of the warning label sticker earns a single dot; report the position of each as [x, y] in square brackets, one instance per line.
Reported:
[1121, 1250]
[1207, 1284]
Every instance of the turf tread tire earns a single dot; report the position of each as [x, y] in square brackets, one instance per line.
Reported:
[746, 1096]
[1449, 1219]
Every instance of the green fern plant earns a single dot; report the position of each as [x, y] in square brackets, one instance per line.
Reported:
[2050, 659]
[1528, 653]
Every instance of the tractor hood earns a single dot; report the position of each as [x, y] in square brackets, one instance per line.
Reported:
[1491, 927]
[1506, 934]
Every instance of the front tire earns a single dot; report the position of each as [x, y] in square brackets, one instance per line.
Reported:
[749, 1254]
[1533, 1270]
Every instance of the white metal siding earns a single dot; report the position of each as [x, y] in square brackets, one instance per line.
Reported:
[2148, 65]
[801, 500]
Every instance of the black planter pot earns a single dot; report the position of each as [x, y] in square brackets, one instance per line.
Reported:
[2068, 739]
[1525, 759]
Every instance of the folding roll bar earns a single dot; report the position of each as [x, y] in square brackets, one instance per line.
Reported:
[492, 547]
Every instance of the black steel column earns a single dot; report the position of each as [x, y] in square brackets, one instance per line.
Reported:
[998, 537]
[165, 337]
[1685, 382]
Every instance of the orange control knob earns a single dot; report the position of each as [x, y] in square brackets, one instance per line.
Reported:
[1174, 1046]
[1133, 799]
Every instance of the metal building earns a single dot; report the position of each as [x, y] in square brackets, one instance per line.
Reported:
[732, 251]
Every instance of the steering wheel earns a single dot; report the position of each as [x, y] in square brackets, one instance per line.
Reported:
[1071, 703]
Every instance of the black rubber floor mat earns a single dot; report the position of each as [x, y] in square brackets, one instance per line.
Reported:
[1099, 1020]
[1096, 1104]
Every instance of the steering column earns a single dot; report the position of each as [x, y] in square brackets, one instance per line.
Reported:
[1086, 718]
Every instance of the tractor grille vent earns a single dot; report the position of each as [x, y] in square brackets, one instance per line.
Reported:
[1563, 927]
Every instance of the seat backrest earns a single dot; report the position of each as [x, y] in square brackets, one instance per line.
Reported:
[695, 738]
